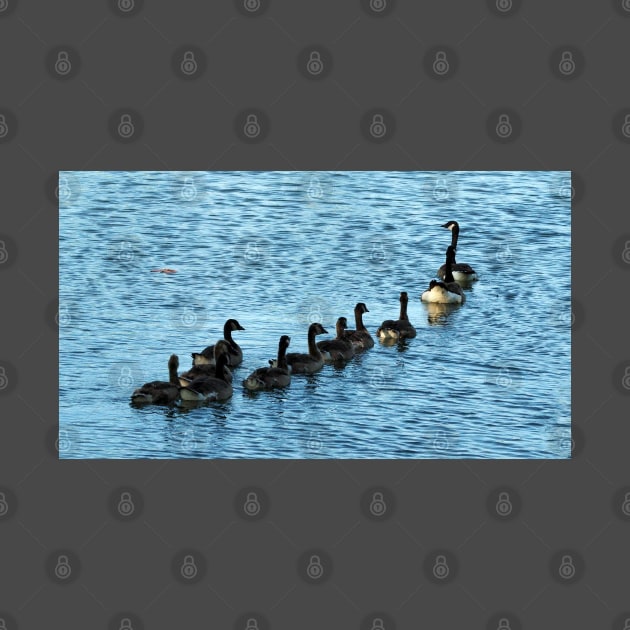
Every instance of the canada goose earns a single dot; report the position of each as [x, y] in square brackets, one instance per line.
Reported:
[271, 377]
[447, 292]
[235, 356]
[212, 388]
[160, 392]
[360, 338]
[461, 271]
[313, 361]
[339, 349]
[400, 328]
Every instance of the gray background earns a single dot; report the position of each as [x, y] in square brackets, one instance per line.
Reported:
[125, 566]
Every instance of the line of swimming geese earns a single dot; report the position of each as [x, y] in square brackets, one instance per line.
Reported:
[210, 378]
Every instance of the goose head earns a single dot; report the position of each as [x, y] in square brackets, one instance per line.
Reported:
[341, 325]
[451, 225]
[317, 329]
[233, 325]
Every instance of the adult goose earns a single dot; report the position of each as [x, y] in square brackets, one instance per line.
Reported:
[462, 272]
[339, 349]
[271, 377]
[400, 328]
[313, 361]
[212, 388]
[449, 291]
[160, 392]
[235, 355]
[360, 337]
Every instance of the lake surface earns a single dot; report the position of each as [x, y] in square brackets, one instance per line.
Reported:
[278, 250]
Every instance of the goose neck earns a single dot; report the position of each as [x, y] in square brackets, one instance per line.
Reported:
[313, 350]
[454, 236]
[282, 357]
[358, 319]
[403, 309]
[172, 374]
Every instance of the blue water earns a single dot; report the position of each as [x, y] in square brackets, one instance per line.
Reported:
[277, 250]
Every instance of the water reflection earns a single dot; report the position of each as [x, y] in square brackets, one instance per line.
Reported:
[438, 314]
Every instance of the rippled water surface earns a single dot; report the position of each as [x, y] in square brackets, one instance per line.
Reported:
[277, 250]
